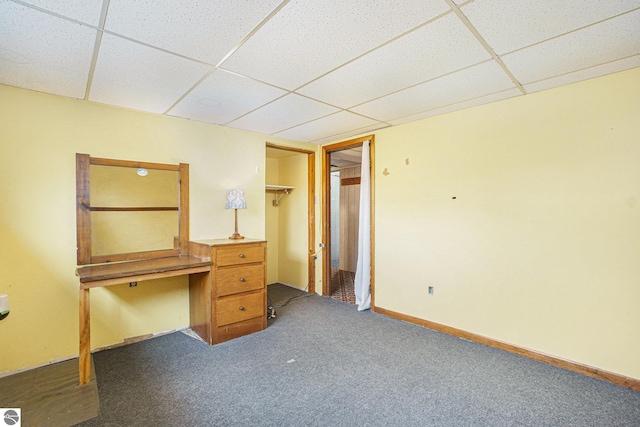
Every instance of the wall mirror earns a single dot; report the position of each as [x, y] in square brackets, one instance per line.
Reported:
[129, 210]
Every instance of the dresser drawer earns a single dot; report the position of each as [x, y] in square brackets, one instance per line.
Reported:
[238, 329]
[237, 308]
[234, 280]
[239, 255]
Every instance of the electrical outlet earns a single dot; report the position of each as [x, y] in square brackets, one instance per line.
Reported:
[133, 284]
[430, 290]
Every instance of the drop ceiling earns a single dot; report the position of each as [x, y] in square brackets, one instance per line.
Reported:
[310, 70]
[346, 158]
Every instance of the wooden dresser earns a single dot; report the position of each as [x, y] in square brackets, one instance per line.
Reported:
[231, 301]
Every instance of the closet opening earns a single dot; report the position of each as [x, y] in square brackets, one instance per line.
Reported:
[289, 217]
[342, 176]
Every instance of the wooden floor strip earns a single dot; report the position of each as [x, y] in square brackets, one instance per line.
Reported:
[50, 396]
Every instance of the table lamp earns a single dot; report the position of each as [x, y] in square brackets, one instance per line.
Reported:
[235, 200]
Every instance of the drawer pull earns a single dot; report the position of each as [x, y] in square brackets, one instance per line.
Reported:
[241, 255]
[241, 308]
[242, 279]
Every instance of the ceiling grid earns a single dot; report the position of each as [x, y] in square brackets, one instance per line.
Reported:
[96, 49]
[306, 70]
[484, 44]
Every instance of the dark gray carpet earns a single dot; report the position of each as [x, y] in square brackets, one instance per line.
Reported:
[321, 363]
[279, 295]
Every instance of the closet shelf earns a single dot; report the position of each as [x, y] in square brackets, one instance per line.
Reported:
[285, 189]
[278, 187]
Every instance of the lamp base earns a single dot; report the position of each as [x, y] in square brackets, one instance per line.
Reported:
[236, 235]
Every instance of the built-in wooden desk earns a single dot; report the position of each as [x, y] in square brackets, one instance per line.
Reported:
[92, 276]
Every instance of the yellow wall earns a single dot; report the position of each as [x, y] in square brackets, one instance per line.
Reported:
[541, 245]
[287, 229]
[125, 232]
[39, 137]
[293, 231]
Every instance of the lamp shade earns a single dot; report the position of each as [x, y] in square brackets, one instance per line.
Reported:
[235, 200]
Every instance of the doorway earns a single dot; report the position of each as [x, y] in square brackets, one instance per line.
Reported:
[289, 215]
[341, 176]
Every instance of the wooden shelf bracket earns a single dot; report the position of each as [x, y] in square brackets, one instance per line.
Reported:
[278, 188]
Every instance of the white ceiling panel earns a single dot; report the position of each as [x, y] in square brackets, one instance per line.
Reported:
[203, 30]
[284, 113]
[87, 11]
[309, 38]
[311, 70]
[473, 82]
[223, 97]
[327, 126]
[508, 25]
[588, 73]
[441, 47]
[494, 97]
[349, 134]
[136, 76]
[44, 53]
[608, 41]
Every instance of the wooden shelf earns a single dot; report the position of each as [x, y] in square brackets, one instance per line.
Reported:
[278, 187]
[285, 189]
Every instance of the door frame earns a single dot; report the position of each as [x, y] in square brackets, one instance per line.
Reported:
[326, 208]
[311, 188]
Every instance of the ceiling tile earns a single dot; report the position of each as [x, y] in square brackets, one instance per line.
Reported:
[499, 96]
[136, 76]
[284, 113]
[351, 134]
[86, 11]
[588, 73]
[441, 47]
[356, 65]
[334, 124]
[224, 96]
[507, 25]
[473, 82]
[309, 38]
[608, 41]
[44, 53]
[203, 30]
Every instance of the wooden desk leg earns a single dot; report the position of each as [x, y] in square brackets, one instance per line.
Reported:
[84, 359]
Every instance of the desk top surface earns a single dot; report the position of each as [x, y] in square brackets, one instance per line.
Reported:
[227, 242]
[91, 273]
